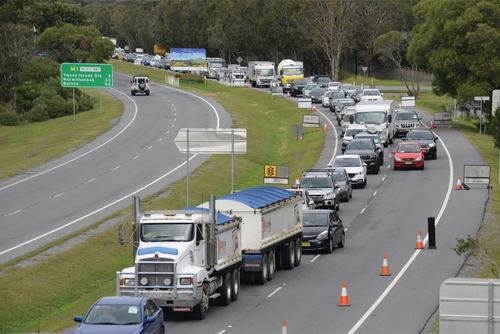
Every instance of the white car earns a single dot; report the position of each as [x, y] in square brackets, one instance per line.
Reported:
[371, 94]
[355, 167]
[307, 201]
[334, 86]
[325, 100]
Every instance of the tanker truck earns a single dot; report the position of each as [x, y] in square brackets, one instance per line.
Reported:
[185, 258]
[290, 70]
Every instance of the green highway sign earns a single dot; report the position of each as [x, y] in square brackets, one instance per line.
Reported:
[86, 75]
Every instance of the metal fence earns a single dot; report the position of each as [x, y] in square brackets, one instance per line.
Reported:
[392, 73]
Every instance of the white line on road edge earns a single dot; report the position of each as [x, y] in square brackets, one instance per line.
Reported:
[120, 199]
[82, 155]
[415, 254]
[336, 136]
[272, 293]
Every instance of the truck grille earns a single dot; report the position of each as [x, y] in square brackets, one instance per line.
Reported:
[156, 272]
[407, 125]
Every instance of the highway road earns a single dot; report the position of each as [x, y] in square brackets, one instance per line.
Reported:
[138, 156]
[383, 218]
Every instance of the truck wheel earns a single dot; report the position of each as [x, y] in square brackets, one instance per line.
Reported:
[261, 276]
[200, 310]
[289, 256]
[226, 291]
[298, 252]
[271, 265]
[236, 285]
[278, 258]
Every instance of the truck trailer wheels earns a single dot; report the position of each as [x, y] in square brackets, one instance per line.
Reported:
[200, 310]
[260, 277]
[271, 266]
[236, 285]
[298, 252]
[288, 256]
[226, 291]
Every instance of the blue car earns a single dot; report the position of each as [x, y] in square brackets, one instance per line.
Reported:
[128, 315]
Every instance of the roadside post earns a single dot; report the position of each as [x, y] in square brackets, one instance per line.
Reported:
[432, 232]
[481, 116]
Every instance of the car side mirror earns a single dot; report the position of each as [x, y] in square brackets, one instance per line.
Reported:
[381, 94]
[403, 138]
[341, 135]
[393, 152]
[436, 138]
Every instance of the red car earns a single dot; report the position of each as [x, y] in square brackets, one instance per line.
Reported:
[408, 155]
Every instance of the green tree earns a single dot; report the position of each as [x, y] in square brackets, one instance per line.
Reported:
[74, 44]
[47, 14]
[17, 47]
[40, 70]
[459, 42]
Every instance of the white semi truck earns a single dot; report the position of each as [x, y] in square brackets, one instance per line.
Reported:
[185, 258]
[260, 73]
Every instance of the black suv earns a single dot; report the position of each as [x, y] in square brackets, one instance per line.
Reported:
[367, 150]
[378, 141]
[427, 140]
[322, 187]
[297, 87]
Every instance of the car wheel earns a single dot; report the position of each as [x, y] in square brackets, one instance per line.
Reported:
[395, 168]
[350, 194]
[376, 169]
[422, 168]
[329, 250]
[341, 244]
[236, 285]
[226, 291]
[337, 207]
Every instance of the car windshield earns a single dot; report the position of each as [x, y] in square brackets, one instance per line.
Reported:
[406, 116]
[339, 176]
[353, 132]
[408, 149]
[114, 315]
[315, 182]
[317, 91]
[314, 220]
[166, 232]
[371, 117]
[360, 145]
[376, 139]
[299, 82]
[347, 162]
[371, 93]
[424, 135]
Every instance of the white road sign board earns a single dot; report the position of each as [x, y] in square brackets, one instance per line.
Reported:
[212, 141]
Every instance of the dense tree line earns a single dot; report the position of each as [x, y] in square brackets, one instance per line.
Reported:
[456, 40]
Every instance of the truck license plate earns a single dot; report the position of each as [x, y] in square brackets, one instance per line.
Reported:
[155, 295]
[306, 244]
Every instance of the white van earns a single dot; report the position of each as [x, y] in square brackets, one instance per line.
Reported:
[378, 114]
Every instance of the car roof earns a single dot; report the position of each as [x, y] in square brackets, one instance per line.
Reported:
[347, 156]
[116, 300]
[317, 211]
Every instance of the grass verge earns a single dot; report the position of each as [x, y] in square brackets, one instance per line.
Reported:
[45, 295]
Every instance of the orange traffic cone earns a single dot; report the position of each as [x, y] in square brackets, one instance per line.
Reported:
[246, 84]
[459, 184]
[325, 128]
[420, 244]
[432, 123]
[297, 181]
[344, 300]
[313, 107]
[385, 267]
[288, 94]
[283, 328]
[400, 105]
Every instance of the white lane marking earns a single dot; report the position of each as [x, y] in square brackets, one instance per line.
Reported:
[13, 213]
[383, 178]
[272, 293]
[315, 258]
[55, 196]
[126, 197]
[375, 193]
[115, 168]
[336, 136]
[415, 254]
[150, 147]
[172, 125]
[167, 132]
[88, 181]
[135, 157]
[159, 139]
[84, 154]
[362, 210]
[389, 166]
[222, 331]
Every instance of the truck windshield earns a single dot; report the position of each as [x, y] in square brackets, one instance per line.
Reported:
[166, 232]
[217, 63]
[372, 117]
[293, 71]
[265, 73]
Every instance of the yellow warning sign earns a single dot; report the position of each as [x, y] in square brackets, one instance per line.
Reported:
[269, 171]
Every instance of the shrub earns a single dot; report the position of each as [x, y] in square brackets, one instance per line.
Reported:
[8, 118]
[37, 114]
[55, 105]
